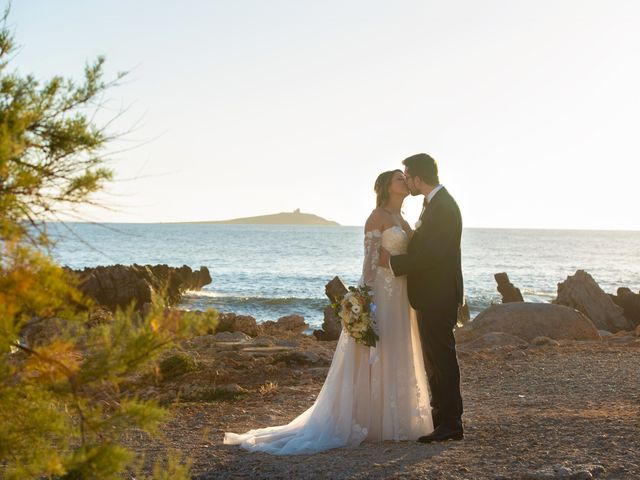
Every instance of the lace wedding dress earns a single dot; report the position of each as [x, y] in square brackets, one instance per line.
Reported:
[369, 394]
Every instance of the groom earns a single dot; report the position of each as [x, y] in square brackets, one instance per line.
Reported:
[434, 281]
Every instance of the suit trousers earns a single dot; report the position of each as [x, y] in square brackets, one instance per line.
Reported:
[441, 365]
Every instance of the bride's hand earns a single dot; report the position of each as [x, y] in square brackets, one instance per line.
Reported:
[406, 227]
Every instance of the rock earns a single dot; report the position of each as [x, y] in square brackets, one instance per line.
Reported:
[114, 286]
[292, 323]
[581, 292]
[233, 388]
[146, 309]
[297, 358]
[464, 315]
[564, 471]
[465, 334]
[545, 341]
[230, 322]
[495, 339]
[621, 340]
[268, 327]
[630, 304]
[604, 333]
[581, 475]
[288, 324]
[335, 290]
[263, 342]
[311, 357]
[508, 291]
[120, 285]
[516, 354]
[576, 472]
[331, 326]
[265, 351]
[579, 472]
[231, 337]
[530, 320]
[40, 331]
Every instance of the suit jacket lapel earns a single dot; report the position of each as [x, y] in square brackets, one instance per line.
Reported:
[434, 201]
[424, 216]
[438, 196]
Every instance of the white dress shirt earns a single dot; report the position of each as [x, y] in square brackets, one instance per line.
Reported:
[429, 197]
[433, 192]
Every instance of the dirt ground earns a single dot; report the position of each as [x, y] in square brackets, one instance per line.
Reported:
[540, 412]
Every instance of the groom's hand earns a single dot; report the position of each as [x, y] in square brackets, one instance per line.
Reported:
[384, 258]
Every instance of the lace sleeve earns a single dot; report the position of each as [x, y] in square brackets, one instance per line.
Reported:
[372, 241]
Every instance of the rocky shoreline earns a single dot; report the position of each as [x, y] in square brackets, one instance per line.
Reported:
[116, 286]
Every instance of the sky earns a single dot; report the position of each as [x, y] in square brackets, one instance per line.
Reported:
[237, 108]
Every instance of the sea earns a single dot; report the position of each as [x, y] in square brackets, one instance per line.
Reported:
[269, 271]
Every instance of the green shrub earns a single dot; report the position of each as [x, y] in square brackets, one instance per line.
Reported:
[177, 365]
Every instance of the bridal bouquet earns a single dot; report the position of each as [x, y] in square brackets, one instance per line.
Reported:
[356, 312]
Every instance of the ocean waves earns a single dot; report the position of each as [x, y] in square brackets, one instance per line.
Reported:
[272, 271]
[262, 308]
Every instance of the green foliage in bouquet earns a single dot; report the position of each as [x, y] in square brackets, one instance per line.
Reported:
[356, 312]
[63, 405]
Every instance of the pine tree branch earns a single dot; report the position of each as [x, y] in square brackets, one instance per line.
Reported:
[71, 377]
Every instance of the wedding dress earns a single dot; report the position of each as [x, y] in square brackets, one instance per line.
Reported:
[369, 394]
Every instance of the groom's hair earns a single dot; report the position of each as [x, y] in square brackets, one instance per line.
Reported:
[423, 166]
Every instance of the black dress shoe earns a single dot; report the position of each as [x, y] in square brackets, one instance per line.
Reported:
[442, 433]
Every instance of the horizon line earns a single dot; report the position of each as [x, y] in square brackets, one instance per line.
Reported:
[204, 222]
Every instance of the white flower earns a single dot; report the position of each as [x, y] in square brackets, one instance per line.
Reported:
[418, 224]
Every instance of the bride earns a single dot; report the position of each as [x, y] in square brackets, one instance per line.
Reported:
[370, 394]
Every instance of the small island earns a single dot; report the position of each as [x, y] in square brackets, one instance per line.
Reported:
[283, 218]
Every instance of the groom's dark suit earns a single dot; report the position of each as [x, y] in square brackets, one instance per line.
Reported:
[434, 282]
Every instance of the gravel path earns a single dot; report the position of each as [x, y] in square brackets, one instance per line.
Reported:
[569, 411]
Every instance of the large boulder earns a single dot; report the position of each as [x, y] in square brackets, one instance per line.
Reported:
[630, 304]
[530, 320]
[116, 286]
[581, 292]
